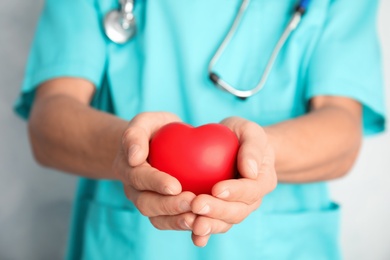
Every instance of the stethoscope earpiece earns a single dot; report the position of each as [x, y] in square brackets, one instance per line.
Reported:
[120, 25]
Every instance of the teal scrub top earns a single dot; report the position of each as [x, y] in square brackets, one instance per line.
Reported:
[334, 51]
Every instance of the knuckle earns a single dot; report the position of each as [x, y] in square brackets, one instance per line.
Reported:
[175, 208]
[236, 219]
[129, 133]
[134, 131]
[165, 208]
[253, 198]
[228, 215]
[142, 205]
[273, 180]
[177, 224]
[128, 193]
[136, 204]
[258, 204]
[226, 228]
[250, 126]
[167, 116]
[156, 223]
[201, 199]
[239, 215]
[140, 117]
[134, 180]
[255, 205]
[250, 195]
[269, 182]
[169, 207]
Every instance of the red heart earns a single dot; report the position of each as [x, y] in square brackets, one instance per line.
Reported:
[198, 157]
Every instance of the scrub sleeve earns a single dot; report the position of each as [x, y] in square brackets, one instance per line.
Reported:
[347, 60]
[68, 43]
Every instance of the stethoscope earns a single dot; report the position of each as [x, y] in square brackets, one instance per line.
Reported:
[120, 27]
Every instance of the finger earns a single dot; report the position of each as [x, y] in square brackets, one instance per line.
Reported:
[239, 190]
[229, 212]
[179, 222]
[204, 226]
[250, 154]
[246, 190]
[147, 178]
[268, 177]
[253, 141]
[151, 204]
[199, 240]
[135, 140]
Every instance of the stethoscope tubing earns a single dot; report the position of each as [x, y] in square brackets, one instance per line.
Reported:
[120, 27]
[243, 94]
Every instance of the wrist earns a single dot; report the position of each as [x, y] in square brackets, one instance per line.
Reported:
[273, 138]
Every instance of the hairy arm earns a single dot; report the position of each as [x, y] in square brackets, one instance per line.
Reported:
[321, 145]
[67, 134]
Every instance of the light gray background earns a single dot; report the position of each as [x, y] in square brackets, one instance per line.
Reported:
[35, 203]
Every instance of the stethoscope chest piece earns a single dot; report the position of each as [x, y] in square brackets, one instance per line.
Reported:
[120, 25]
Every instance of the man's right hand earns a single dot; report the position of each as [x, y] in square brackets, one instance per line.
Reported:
[69, 135]
[156, 194]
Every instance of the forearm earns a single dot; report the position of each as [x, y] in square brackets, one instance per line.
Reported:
[68, 135]
[319, 146]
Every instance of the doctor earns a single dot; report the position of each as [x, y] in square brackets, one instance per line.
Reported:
[92, 105]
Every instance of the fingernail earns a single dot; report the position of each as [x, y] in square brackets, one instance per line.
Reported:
[207, 232]
[185, 206]
[168, 191]
[133, 150]
[204, 210]
[253, 167]
[224, 194]
[183, 224]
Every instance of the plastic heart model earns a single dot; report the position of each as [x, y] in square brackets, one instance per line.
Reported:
[198, 157]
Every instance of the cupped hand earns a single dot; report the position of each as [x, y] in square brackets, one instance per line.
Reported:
[233, 200]
[156, 194]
